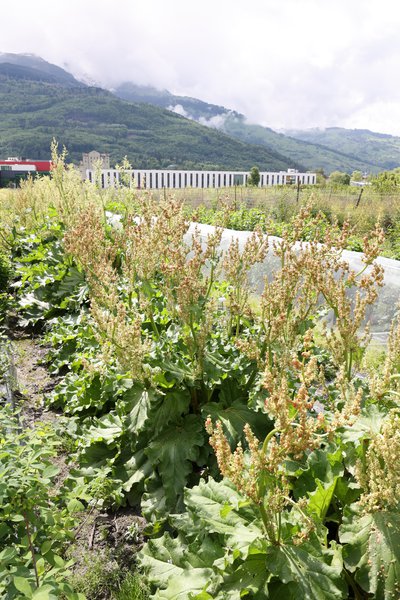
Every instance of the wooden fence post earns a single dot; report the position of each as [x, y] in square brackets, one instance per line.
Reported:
[359, 197]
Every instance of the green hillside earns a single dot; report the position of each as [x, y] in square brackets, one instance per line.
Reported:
[379, 148]
[35, 107]
[42, 70]
[39, 101]
[194, 108]
[313, 155]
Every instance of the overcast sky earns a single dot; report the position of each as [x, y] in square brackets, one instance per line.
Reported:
[283, 63]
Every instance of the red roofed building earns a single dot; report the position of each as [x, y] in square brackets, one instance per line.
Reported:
[13, 169]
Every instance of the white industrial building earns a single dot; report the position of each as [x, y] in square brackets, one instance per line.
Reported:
[176, 179]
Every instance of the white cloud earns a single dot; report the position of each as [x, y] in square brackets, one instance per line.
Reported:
[179, 110]
[283, 63]
[217, 121]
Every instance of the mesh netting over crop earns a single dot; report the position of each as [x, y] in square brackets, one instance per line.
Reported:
[380, 314]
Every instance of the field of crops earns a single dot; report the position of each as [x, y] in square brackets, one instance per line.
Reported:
[166, 435]
[273, 208]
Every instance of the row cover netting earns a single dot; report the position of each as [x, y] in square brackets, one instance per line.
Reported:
[380, 315]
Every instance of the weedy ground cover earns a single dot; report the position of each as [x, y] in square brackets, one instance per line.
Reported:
[261, 451]
[34, 526]
[273, 208]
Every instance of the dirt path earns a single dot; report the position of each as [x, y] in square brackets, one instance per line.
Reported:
[32, 380]
[106, 542]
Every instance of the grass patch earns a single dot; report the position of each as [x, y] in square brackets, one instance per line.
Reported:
[100, 576]
[132, 588]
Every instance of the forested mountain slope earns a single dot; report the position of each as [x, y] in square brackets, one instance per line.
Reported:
[37, 105]
[312, 154]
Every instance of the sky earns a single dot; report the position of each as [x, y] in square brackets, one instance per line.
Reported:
[285, 64]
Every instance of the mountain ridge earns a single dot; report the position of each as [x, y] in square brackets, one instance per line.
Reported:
[37, 105]
[38, 85]
[385, 145]
[311, 154]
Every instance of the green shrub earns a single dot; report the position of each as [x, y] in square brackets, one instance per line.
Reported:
[5, 273]
[34, 525]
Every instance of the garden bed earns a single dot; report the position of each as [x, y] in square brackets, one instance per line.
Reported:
[258, 443]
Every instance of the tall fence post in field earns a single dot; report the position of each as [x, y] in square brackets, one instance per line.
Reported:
[359, 197]
[298, 191]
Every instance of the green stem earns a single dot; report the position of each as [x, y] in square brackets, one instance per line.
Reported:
[195, 401]
[153, 325]
[269, 530]
[32, 551]
[353, 586]
[279, 526]
[210, 282]
[192, 331]
[268, 439]
[362, 270]
[291, 501]
[255, 371]
[350, 365]
[237, 325]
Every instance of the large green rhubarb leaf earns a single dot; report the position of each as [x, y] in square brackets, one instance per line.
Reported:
[179, 569]
[134, 470]
[223, 545]
[169, 408]
[324, 465]
[216, 508]
[138, 402]
[187, 586]
[251, 577]
[320, 500]
[235, 417]
[372, 551]
[368, 424]
[163, 558]
[172, 452]
[107, 429]
[313, 577]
